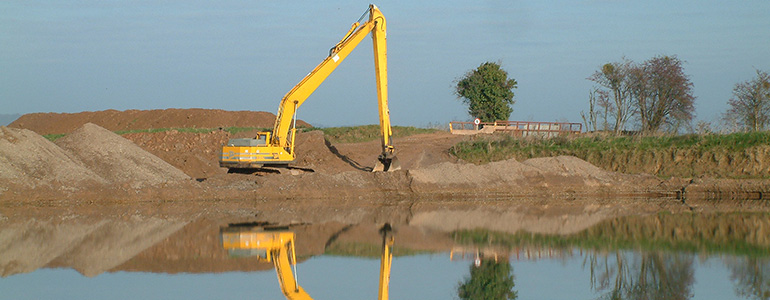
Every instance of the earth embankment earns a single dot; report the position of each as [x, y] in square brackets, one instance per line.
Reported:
[114, 120]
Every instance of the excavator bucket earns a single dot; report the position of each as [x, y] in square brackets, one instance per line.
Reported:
[387, 165]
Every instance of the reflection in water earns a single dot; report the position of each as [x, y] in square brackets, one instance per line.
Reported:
[663, 256]
[751, 276]
[490, 279]
[276, 245]
[269, 245]
[666, 247]
[649, 275]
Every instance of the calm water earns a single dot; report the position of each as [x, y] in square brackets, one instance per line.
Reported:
[656, 257]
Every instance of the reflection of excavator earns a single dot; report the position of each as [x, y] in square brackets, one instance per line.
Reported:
[276, 148]
[277, 246]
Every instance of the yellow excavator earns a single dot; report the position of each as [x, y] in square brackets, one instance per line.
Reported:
[276, 148]
[277, 246]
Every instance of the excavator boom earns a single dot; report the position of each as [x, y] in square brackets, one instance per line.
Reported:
[277, 148]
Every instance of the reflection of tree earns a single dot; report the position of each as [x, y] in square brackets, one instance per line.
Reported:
[751, 277]
[490, 280]
[649, 275]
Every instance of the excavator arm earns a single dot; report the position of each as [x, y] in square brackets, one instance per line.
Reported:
[279, 147]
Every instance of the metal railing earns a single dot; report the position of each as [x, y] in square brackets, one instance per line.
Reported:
[517, 128]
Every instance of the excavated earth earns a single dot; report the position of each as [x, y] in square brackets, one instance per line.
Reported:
[97, 201]
[91, 163]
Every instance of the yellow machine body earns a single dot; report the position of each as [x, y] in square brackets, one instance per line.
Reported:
[278, 147]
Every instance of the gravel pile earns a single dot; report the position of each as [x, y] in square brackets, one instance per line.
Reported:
[117, 159]
[30, 160]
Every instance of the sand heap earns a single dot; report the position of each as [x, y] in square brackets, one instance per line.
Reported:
[536, 172]
[117, 159]
[29, 160]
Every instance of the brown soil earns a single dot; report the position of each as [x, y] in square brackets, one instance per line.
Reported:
[114, 120]
[122, 171]
[196, 154]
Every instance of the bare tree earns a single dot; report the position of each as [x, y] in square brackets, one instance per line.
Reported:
[750, 105]
[589, 119]
[662, 93]
[614, 92]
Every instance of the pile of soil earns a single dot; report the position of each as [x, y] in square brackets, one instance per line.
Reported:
[31, 161]
[315, 152]
[414, 152]
[117, 159]
[556, 173]
[196, 154]
[62, 123]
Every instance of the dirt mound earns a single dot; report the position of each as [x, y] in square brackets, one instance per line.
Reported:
[116, 158]
[196, 154]
[317, 153]
[540, 173]
[114, 120]
[570, 166]
[415, 151]
[28, 159]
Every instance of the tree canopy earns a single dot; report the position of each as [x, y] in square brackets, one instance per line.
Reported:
[488, 92]
[490, 280]
[656, 92]
[614, 94]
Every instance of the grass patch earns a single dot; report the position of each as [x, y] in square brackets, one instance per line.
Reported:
[501, 147]
[53, 137]
[357, 134]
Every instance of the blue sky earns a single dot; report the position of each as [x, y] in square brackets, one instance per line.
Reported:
[71, 56]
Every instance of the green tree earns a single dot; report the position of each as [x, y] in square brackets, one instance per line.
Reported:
[488, 92]
[490, 280]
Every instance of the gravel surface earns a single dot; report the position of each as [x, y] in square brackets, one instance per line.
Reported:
[118, 159]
